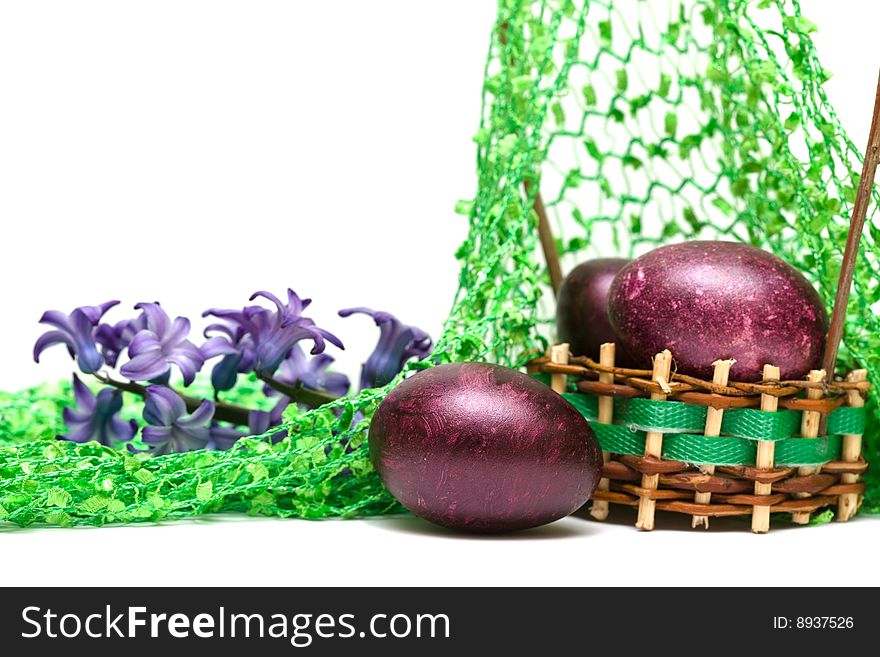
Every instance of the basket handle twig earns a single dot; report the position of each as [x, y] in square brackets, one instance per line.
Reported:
[545, 235]
[856, 226]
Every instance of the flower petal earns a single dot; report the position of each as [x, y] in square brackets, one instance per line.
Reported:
[155, 435]
[146, 367]
[89, 359]
[295, 303]
[188, 359]
[271, 297]
[189, 350]
[57, 319]
[111, 341]
[178, 332]
[248, 360]
[80, 432]
[85, 400]
[201, 417]
[332, 339]
[397, 344]
[51, 338]
[95, 313]
[143, 342]
[276, 415]
[186, 366]
[379, 316]
[163, 406]
[157, 319]
[217, 346]
[335, 383]
[87, 356]
[187, 440]
[120, 430]
[108, 402]
[224, 436]
[227, 331]
[312, 372]
[225, 373]
[72, 416]
[258, 422]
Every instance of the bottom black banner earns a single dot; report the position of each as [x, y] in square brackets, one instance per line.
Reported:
[281, 621]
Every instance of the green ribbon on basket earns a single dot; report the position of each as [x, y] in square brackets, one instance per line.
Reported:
[741, 429]
[665, 416]
[587, 405]
[847, 419]
[619, 439]
[754, 424]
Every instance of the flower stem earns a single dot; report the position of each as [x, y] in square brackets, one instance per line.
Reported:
[223, 411]
[299, 393]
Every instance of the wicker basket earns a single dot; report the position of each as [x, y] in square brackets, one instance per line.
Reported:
[717, 448]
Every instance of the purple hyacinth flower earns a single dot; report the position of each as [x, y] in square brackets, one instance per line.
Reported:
[312, 373]
[284, 329]
[96, 417]
[115, 338]
[225, 373]
[261, 421]
[110, 338]
[397, 344]
[95, 313]
[163, 343]
[224, 436]
[234, 343]
[77, 332]
[264, 338]
[170, 429]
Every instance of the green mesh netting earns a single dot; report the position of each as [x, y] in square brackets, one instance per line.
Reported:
[640, 122]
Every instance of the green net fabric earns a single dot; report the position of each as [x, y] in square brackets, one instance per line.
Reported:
[640, 122]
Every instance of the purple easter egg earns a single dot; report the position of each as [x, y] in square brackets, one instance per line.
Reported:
[582, 308]
[708, 300]
[483, 448]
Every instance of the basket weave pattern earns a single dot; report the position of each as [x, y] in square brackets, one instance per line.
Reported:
[808, 474]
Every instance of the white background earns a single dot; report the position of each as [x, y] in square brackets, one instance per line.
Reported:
[194, 152]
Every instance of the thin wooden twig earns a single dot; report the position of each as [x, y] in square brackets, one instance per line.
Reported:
[848, 504]
[810, 421]
[583, 366]
[559, 354]
[599, 509]
[298, 392]
[766, 453]
[653, 447]
[714, 417]
[548, 242]
[857, 225]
